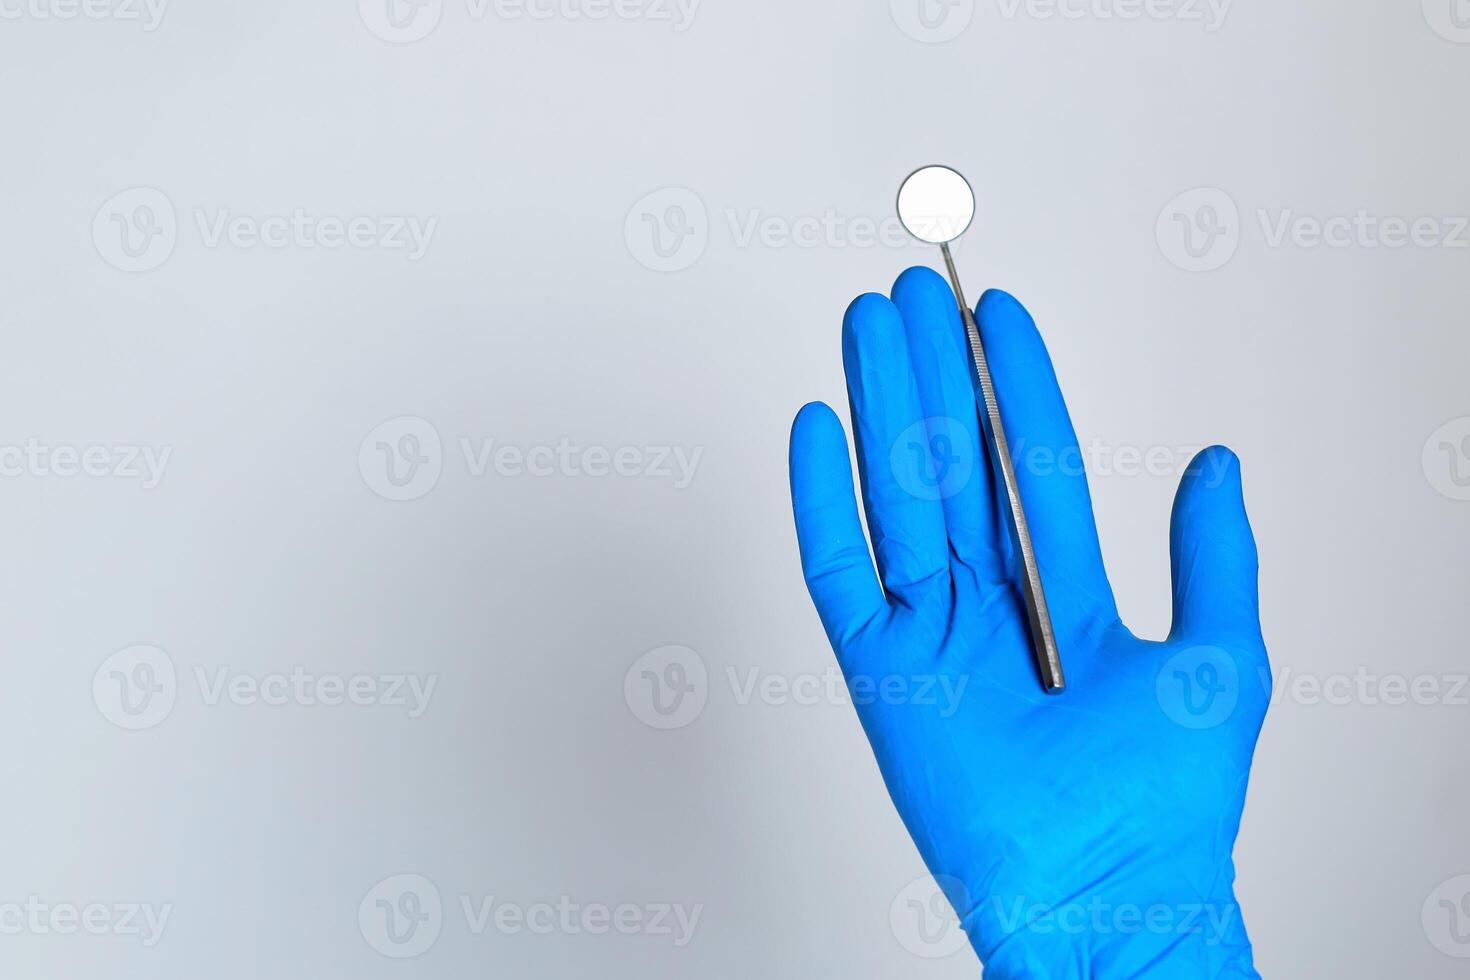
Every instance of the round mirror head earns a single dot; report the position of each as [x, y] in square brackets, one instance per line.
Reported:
[936, 204]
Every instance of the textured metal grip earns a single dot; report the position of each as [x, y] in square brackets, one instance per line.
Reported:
[1043, 639]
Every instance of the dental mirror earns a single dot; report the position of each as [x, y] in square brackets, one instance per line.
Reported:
[936, 205]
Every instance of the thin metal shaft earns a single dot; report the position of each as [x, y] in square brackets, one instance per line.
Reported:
[1043, 639]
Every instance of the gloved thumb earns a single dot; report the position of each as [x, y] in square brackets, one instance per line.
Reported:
[1213, 553]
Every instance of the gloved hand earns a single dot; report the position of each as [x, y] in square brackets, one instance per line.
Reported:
[1086, 834]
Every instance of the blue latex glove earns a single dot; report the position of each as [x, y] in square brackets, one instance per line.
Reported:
[1087, 834]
